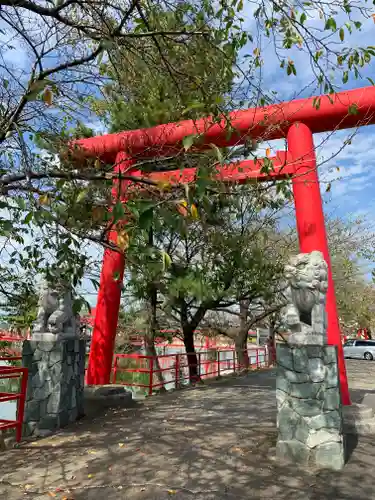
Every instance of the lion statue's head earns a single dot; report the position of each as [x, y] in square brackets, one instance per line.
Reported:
[307, 275]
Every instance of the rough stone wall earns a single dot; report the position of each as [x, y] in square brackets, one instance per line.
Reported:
[310, 424]
[55, 385]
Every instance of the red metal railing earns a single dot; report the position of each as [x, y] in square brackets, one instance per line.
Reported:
[14, 372]
[172, 370]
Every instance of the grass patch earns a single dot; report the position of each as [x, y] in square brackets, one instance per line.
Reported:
[132, 380]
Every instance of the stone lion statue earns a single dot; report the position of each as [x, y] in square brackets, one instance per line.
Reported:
[55, 311]
[307, 276]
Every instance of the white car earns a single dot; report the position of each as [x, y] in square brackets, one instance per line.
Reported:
[360, 349]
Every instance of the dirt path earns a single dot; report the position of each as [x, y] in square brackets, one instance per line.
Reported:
[207, 443]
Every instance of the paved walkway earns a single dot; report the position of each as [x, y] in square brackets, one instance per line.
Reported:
[209, 443]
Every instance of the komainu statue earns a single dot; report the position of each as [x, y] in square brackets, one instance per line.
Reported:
[305, 316]
[55, 311]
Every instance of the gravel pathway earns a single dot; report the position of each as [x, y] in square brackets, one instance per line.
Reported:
[211, 442]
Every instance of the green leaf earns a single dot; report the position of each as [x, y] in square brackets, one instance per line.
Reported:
[146, 218]
[303, 18]
[192, 106]
[188, 141]
[28, 218]
[6, 225]
[118, 211]
[342, 34]
[331, 24]
[316, 102]
[5, 83]
[345, 77]
[371, 80]
[353, 109]
[21, 203]
[218, 153]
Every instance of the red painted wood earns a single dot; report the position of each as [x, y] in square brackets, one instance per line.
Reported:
[311, 227]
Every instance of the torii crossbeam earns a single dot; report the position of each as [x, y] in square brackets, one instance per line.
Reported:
[296, 121]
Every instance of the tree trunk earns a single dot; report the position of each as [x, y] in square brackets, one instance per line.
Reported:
[192, 357]
[151, 351]
[152, 327]
[271, 344]
[150, 338]
[242, 356]
[188, 329]
[240, 341]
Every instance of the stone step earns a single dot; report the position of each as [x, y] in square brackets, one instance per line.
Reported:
[108, 396]
[357, 412]
[362, 428]
[358, 419]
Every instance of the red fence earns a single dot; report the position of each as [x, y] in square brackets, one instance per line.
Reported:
[172, 370]
[14, 372]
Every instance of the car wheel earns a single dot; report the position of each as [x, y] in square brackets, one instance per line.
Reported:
[368, 356]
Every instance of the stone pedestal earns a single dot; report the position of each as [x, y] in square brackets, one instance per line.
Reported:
[55, 392]
[309, 421]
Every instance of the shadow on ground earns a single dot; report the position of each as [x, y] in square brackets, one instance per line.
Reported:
[211, 442]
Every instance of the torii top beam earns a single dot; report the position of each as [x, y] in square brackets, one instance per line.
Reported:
[339, 111]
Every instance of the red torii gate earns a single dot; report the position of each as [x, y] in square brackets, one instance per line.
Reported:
[296, 121]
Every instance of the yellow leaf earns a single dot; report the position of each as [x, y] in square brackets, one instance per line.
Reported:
[256, 52]
[44, 199]
[89, 476]
[81, 195]
[184, 203]
[165, 185]
[121, 445]
[123, 240]
[97, 163]
[187, 189]
[268, 152]
[182, 209]
[48, 96]
[167, 261]
[338, 169]
[172, 492]
[98, 214]
[194, 211]
[51, 494]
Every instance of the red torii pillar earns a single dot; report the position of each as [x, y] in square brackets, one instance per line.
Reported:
[109, 296]
[311, 228]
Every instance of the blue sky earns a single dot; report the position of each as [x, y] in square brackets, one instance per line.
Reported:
[353, 187]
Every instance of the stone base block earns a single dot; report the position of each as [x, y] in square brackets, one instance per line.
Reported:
[369, 400]
[108, 395]
[359, 419]
[55, 392]
[328, 455]
[309, 421]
